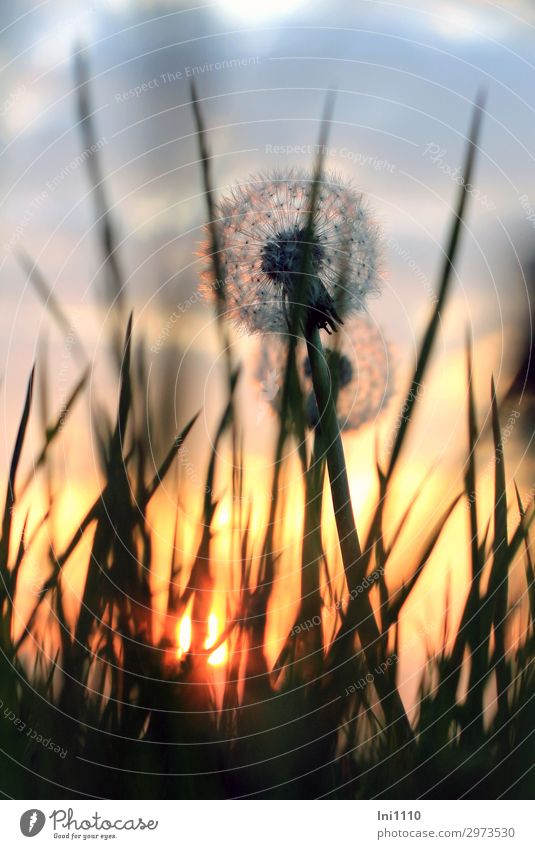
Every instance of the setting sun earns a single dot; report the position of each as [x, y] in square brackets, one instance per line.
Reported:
[219, 656]
[184, 635]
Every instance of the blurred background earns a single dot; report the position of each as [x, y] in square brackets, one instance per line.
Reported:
[406, 77]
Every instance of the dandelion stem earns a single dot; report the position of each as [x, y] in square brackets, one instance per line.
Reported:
[347, 532]
[345, 522]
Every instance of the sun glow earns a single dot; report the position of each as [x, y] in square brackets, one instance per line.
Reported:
[184, 636]
[220, 655]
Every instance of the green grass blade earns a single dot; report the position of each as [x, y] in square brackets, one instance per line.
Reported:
[168, 460]
[108, 238]
[530, 573]
[9, 504]
[55, 429]
[404, 592]
[52, 304]
[499, 576]
[443, 289]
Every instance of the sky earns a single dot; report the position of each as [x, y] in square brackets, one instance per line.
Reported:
[405, 75]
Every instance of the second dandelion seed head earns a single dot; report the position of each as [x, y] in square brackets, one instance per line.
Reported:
[360, 368]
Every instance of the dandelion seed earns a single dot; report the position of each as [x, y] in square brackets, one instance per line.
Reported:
[262, 239]
[360, 368]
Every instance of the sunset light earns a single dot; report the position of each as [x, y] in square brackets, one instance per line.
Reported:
[184, 638]
[267, 454]
[184, 635]
[219, 656]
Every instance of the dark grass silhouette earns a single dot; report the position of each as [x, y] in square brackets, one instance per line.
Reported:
[139, 724]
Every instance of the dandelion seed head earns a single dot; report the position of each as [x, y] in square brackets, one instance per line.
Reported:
[262, 238]
[360, 364]
[283, 256]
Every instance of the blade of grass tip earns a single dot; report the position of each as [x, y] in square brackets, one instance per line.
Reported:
[470, 476]
[44, 398]
[7, 624]
[402, 595]
[125, 399]
[219, 269]
[9, 505]
[54, 430]
[36, 278]
[520, 534]
[444, 287]
[499, 580]
[209, 504]
[175, 567]
[500, 501]
[472, 629]
[93, 514]
[49, 584]
[24, 548]
[299, 307]
[530, 574]
[350, 618]
[108, 240]
[200, 583]
[290, 380]
[114, 504]
[168, 460]
[375, 533]
[407, 513]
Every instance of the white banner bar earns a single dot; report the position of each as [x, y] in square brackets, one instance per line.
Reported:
[268, 824]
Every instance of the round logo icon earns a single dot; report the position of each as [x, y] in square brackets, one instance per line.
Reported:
[32, 822]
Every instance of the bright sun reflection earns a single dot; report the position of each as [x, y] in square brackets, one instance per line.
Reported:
[219, 656]
[259, 10]
[184, 636]
[184, 633]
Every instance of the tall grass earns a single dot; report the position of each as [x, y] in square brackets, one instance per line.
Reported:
[138, 721]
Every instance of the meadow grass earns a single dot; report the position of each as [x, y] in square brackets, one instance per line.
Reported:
[138, 722]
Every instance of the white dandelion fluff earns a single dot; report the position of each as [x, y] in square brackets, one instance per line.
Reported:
[360, 367]
[262, 231]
